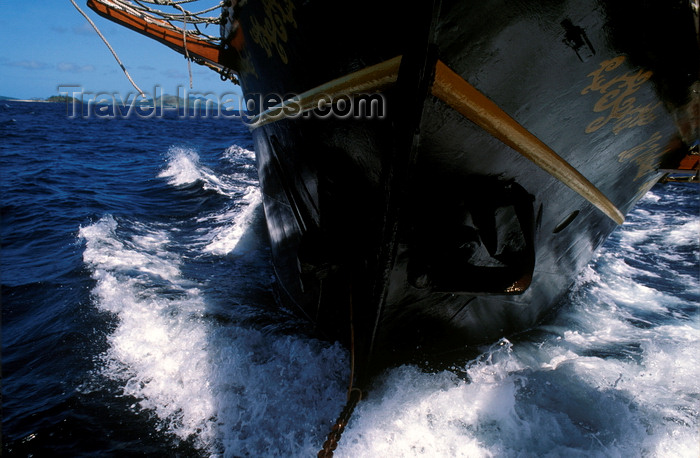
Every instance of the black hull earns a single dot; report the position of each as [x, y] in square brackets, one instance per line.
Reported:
[424, 227]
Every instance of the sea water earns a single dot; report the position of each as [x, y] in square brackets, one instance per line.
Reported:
[138, 319]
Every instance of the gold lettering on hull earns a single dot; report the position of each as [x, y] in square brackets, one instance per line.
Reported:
[617, 97]
[271, 34]
[645, 155]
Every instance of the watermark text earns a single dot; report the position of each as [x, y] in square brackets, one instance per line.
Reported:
[252, 109]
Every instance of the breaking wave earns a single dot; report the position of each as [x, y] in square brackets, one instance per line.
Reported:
[184, 169]
[615, 373]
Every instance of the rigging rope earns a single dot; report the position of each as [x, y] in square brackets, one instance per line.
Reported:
[110, 48]
[178, 21]
[184, 41]
[175, 21]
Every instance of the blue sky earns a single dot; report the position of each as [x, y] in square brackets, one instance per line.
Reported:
[47, 44]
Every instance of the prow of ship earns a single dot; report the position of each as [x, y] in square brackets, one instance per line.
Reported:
[490, 148]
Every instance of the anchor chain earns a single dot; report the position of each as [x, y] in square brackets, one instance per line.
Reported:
[353, 397]
[331, 443]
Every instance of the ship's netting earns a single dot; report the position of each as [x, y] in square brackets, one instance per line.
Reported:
[183, 16]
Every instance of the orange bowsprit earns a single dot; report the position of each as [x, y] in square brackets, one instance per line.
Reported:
[162, 32]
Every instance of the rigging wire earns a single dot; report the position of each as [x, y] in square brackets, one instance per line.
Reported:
[177, 22]
[143, 94]
[174, 21]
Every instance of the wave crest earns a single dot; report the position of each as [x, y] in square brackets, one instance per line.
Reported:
[185, 169]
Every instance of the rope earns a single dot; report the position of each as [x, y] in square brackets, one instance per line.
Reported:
[184, 41]
[174, 21]
[177, 22]
[110, 48]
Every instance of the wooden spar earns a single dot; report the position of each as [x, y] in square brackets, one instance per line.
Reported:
[449, 87]
[475, 106]
[199, 49]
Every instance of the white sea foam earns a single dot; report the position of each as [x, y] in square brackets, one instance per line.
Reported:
[159, 348]
[226, 229]
[684, 234]
[650, 196]
[237, 154]
[245, 172]
[220, 231]
[616, 376]
[616, 373]
[227, 388]
[184, 168]
[541, 401]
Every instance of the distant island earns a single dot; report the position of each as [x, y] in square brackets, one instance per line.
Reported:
[52, 99]
[169, 101]
[62, 99]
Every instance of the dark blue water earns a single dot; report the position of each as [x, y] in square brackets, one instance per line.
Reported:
[137, 319]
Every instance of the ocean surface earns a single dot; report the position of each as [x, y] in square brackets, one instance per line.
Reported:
[138, 320]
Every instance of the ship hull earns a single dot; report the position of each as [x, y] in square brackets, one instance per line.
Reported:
[414, 227]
